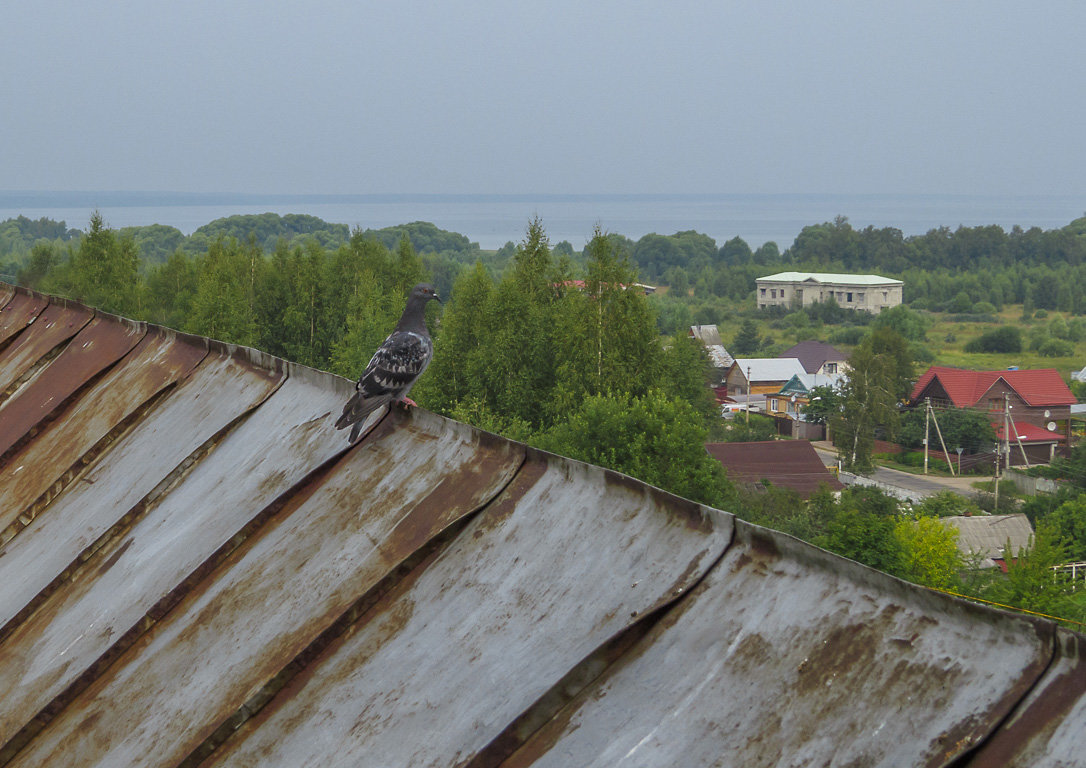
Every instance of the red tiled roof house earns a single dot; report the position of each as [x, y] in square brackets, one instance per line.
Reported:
[1040, 401]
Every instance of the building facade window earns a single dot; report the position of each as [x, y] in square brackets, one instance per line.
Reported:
[848, 296]
[831, 367]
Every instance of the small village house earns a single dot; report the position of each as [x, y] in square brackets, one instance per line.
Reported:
[1038, 403]
[795, 394]
[766, 375]
[818, 357]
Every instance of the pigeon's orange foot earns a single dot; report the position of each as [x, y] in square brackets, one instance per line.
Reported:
[407, 402]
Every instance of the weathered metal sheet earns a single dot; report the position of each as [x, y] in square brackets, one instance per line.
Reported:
[1047, 729]
[441, 666]
[170, 587]
[100, 344]
[787, 655]
[158, 361]
[143, 570]
[334, 541]
[18, 312]
[53, 325]
[222, 388]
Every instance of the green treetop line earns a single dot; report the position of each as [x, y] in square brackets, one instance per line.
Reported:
[550, 346]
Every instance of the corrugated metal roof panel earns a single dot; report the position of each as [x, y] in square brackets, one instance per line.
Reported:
[158, 361]
[440, 667]
[225, 559]
[789, 655]
[122, 481]
[18, 312]
[1048, 728]
[142, 571]
[769, 368]
[101, 343]
[335, 540]
[987, 535]
[52, 326]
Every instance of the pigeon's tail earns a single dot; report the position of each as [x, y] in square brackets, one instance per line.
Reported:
[356, 410]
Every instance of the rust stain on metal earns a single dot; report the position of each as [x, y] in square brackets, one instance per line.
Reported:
[54, 325]
[73, 629]
[1047, 728]
[516, 602]
[46, 465]
[100, 344]
[19, 312]
[203, 512]
[273, 596]
[123, 484]
[810, 655]
[216, 576]
[684, 511]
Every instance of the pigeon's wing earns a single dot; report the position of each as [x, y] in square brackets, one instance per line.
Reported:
[396, 364]
[394, 367]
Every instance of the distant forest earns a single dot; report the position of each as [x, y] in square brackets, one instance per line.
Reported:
[944, 269]
[583, 370]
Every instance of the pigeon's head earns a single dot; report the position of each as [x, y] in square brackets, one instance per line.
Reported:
[424, 292]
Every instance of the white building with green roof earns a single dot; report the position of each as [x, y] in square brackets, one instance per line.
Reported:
[871, 293]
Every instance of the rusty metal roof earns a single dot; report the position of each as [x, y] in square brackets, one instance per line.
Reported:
[198, 569]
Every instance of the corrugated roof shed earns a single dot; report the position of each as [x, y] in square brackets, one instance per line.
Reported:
[988, 535]
[198, 570]
[790, 464]
[709, 336]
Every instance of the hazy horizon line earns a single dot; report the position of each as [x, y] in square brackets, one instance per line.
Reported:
[134, 198]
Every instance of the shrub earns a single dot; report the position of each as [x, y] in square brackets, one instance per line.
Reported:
[916, 459]
[1005, 339]
[1056, 348]
[851, 335]
[984, 308]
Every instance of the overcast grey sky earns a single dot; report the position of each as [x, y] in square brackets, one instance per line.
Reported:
[977, 96]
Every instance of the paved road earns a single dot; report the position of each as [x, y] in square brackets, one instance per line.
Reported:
[901, 484]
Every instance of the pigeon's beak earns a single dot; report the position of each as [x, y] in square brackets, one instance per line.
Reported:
[439, 301]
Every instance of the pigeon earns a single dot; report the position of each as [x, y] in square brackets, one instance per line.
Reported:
[395, 366]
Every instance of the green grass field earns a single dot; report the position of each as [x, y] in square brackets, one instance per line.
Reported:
[947, 337]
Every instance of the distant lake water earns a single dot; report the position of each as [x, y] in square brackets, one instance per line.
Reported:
[493, 220]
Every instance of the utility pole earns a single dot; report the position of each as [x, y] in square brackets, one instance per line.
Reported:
[942, 442]
[748, 396]
[1000, 447]
[927, 418]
